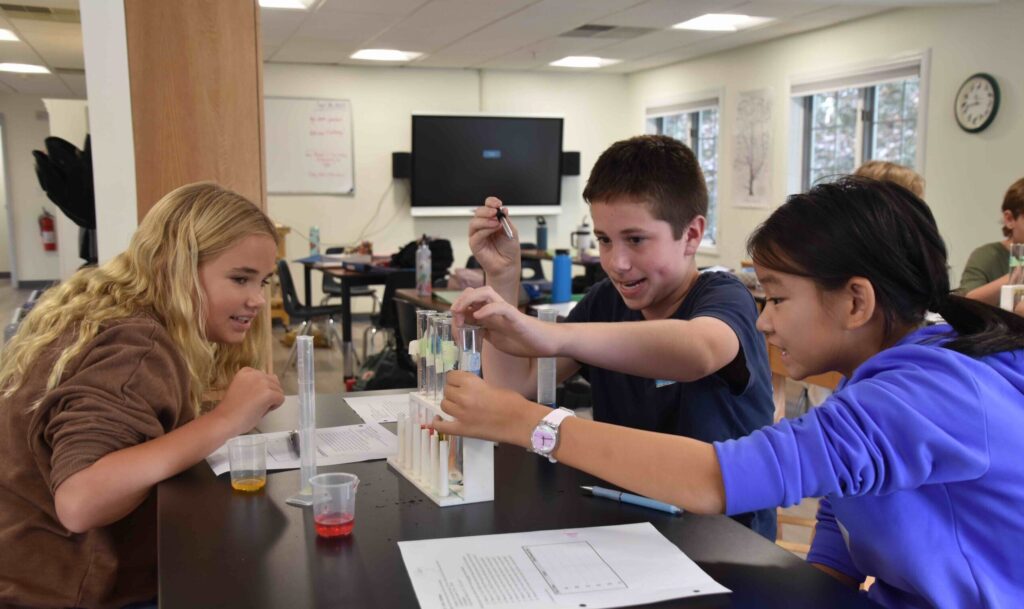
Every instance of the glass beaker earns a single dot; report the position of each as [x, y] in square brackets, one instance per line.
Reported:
[1016, 264]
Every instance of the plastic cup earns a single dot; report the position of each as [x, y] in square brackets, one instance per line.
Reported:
[248, 458]
[334, 504]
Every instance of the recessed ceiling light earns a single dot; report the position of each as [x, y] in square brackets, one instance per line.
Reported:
[580, 61]
[7, 35]
[298, 5]
[719, 22]
[385, 55]
[23, 68]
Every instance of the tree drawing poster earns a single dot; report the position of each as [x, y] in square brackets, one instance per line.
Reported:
[752, 170]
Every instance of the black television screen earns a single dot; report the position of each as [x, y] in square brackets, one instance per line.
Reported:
[458, 161]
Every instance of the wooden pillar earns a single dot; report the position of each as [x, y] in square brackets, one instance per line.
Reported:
[196, 81]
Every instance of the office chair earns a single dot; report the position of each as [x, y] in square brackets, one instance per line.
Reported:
[306, 314]
[332, 285]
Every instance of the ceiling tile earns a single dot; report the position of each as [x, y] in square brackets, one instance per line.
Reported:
[314, 50]
[653, 43]
[278, 26]
[58, 44]
[75, 83]
[377, 7]
[666, 13]
[443, 22]
[42, 85]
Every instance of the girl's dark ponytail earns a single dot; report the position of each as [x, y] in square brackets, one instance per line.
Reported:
[981, 328]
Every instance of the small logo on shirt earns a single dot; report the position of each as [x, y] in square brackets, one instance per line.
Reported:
[658, 384]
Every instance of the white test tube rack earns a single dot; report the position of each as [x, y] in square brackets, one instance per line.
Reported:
[429, 472]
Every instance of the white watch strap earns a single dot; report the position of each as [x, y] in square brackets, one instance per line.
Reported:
[556, 416]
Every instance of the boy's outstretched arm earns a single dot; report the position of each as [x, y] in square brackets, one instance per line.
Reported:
[675, 469]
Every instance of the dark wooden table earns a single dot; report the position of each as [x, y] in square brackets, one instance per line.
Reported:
[222, 549]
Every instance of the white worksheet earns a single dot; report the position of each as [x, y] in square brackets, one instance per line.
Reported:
[595, 567]
[334, 446]
[379, 408]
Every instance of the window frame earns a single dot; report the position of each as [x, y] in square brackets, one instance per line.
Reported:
[860, 76]
[692, 106]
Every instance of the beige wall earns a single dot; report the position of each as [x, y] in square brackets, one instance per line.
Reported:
[966, 174]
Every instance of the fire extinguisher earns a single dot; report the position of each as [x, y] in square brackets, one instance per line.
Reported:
[47, 231]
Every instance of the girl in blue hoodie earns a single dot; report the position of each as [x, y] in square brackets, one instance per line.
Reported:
[916, 456]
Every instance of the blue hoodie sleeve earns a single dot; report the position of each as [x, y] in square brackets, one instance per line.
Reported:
[828, 546]
[911, 415]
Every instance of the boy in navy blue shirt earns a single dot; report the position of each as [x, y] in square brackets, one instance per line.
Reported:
[696, 366]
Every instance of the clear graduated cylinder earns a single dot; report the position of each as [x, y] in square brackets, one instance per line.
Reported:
[547, 373]
[423, 347]
[307, 422]
[445, 354]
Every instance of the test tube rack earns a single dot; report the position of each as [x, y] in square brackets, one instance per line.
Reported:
[421, 464]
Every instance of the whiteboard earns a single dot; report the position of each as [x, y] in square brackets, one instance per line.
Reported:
[309, 146]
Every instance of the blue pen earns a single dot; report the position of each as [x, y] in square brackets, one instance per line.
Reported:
[606, 493]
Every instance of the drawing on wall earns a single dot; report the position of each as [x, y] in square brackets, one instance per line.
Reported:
[752, 161]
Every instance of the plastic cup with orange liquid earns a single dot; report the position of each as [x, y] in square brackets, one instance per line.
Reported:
[248, 458]
[334, 504]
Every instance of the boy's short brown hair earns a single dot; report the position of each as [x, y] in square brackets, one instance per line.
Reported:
[660, 170]
[1013, 202]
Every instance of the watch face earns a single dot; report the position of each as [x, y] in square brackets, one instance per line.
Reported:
[977, 102]
[543, 440]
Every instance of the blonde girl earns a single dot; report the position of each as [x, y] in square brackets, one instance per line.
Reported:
[100, 391]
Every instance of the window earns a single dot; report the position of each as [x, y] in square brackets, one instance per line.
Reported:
[695, 125]
[882, 117]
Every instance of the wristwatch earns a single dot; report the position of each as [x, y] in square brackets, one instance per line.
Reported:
[544, 440]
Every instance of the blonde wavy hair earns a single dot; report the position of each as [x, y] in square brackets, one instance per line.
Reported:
[158, 276]
[884, 171]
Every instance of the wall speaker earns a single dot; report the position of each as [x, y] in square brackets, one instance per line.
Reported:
[570, 163]
[401, 165]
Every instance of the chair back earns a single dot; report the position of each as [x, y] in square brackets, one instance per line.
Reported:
[289, 297]
[405, 331]
[394, 281]
[331, 284]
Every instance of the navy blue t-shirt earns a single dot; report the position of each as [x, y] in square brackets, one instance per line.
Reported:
[730, 403]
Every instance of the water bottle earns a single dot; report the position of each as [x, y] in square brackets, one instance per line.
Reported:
[314, 241]
[561, 283]
[423, 268]
[542, 234]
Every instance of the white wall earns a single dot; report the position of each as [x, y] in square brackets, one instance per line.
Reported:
[966, 174]
[26, 129]
[68, 120]
[383, 100]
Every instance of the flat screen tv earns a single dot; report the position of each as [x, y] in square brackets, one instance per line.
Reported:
[458, 161]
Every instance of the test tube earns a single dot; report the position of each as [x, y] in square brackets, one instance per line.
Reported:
[455, 464]
[469, 349]
[547, 375]
[307, 422]
[423, 345]
[445, 353]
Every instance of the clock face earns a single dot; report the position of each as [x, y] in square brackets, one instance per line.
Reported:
[977, 102]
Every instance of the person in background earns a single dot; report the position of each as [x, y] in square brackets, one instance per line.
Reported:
[916, 455]
[891, 172]
[988, 267]
[665, 347]
[100, 388]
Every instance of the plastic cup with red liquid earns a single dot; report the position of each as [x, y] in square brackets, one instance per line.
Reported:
[334, 504]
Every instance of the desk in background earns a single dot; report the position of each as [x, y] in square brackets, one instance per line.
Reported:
[220, 548]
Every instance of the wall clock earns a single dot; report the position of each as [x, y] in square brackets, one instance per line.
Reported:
[977, 102]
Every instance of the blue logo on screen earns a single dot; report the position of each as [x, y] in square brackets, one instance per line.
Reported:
[492, 154]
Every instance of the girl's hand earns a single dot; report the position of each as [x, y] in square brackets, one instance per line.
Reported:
[490, 413]
[506, 328]
[251, 394]
[497, 254]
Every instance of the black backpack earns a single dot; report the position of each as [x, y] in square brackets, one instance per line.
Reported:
[441, 256]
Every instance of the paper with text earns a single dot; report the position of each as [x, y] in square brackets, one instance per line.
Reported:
[379, 408]
[596, 567]
[334, 446]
